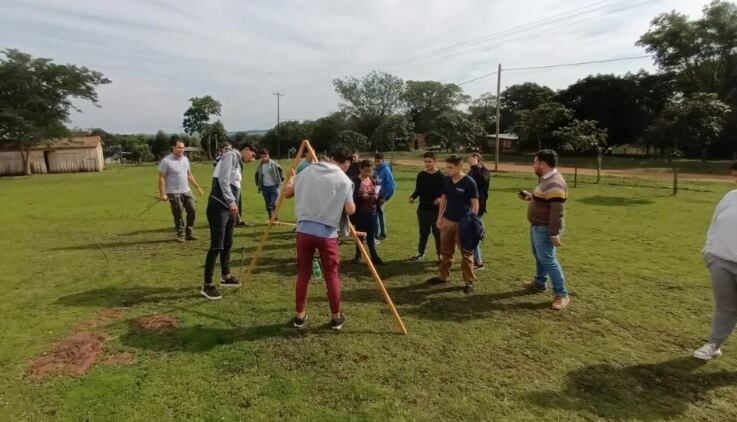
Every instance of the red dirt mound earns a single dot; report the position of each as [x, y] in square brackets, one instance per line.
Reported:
[74, 356]
[158, 322]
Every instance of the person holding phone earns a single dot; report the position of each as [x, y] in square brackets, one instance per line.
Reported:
[545, 214]
[366, 198]
[222, 211]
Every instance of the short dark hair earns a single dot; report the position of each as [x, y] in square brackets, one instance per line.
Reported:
[547, 156]
[379, 156]
[477, 156]
[733, 166]
[340, 155]
[364, 163]
[174, 142]
[429, 154]
[456, 160]
[264, 151]
[245, 145]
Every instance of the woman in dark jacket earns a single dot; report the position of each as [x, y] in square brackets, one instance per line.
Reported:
[366, 198]
[482, 177]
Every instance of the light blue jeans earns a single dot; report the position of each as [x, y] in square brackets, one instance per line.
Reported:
[546, 263]
[477, 258]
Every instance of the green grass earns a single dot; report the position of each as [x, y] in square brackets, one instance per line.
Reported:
[641, 304]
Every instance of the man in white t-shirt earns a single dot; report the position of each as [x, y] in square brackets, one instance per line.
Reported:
[175, 175]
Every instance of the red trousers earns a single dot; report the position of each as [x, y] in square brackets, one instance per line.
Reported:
[330, 262]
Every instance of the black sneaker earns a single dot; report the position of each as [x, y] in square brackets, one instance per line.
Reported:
[381, 237]
[378, 261]
[230, 281]
[191, 237]
[337, 323]
[469, 289]
[436, 280]
[418, 258]
[479, 266]
[299, 322]
[209, 291]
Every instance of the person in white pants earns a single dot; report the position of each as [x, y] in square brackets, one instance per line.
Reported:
[720, 256]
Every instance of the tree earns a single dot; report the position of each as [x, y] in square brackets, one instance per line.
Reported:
[692, 122]
[197, 119]
[36, 98]
[371, 99]
[426, 100]
[326, 130]
[460, 131]
[160, 144]
[291, 133]
[701, 53]
[393, 134]
[353, 140]
[581, 136]
[483, 109]
[526, 96]
[213, 137]
[536, 126]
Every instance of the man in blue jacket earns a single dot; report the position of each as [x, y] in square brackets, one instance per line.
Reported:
[385, 179]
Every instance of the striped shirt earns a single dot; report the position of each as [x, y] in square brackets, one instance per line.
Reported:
[546, 206]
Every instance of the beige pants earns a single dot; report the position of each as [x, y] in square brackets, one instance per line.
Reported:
[449, 238]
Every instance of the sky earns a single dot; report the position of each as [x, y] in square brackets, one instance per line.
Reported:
[160, 53]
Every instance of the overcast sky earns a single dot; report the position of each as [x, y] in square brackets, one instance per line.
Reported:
[159, 53]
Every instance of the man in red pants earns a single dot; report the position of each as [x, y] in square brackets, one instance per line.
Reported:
[322, 194]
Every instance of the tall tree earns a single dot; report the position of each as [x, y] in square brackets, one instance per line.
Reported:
[371, 99]
[353, 140]
[483, 109]
[581, 136]
[326, 130]
[160, 144]
[688, 123]
[526, 96]
[535, 127]
[36, 98]
[213, 137]
[459, 130]
[426, 100]
[702, 53]
[197, 119]
[393, 134]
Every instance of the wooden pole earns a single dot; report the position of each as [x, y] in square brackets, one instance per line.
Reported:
[498, 113]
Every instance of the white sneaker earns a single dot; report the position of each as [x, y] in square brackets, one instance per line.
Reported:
[708, 352]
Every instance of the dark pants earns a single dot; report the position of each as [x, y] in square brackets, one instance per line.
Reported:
[426, 218]
[380, 221]
[221, 239]
[179, 203]
[271, 194]
[367, 222]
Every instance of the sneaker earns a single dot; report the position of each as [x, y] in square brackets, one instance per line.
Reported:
[418, 258]
[209, 291]
[478, 266]
[533, 287]
[230, 281]
[708, 351]
[469, 289]
[381, 237]
[436, 280]
[299, 322]
[561, 302]
[191, 237]
[337, 323]
[378, 261]
[242, 224]
[377, 241]
[181, 239]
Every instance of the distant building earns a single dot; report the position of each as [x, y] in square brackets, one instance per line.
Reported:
[68, 155]
[508, 142]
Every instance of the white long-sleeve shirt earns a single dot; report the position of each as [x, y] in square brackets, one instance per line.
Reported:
[721, 239]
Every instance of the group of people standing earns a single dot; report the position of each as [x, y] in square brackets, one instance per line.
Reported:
[450, 205]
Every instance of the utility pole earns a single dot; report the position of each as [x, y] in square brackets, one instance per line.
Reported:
[278, 96]
[498, 104]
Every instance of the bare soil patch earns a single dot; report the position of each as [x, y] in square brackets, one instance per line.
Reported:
[124, 358]
[73, 356]
[158, 322]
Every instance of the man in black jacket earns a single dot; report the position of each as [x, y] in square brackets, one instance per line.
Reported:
[482, 177]
[428, 188]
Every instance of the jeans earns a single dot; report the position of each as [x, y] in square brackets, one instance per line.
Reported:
[426, 218]
[449, 239]
[179, 203]
[367, 222]
[546, 263]
[724, 284]
[221, 239]
[329, 262]
[271, 194]
[477, 258]
[380, 221]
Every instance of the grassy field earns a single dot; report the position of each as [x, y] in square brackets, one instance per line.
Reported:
[641, 304]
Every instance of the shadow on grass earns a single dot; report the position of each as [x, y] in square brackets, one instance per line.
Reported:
[615, 201]
[644, 392]
[112, 245]
[111, 297]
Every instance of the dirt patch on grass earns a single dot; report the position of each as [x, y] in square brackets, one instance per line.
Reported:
[73, 356]
[158, 322]
[124, 358]
[103, 317]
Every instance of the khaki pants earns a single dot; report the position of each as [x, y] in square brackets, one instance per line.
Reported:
[449, 238]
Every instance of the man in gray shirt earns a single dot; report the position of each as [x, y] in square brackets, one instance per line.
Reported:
[269, 176]
[175, 175]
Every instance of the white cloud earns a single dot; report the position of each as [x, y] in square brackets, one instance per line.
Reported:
[160, 53]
